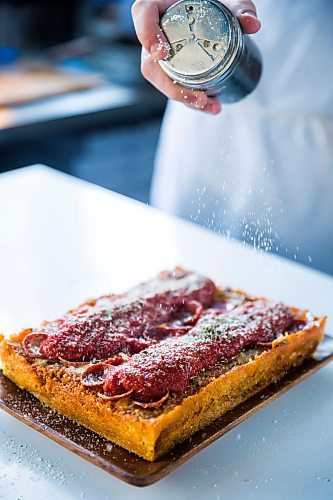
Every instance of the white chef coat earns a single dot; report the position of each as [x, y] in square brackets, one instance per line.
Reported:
[262, 170]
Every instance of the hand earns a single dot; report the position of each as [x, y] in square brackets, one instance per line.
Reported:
[146, 16]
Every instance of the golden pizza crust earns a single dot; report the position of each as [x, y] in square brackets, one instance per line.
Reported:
[137, 431]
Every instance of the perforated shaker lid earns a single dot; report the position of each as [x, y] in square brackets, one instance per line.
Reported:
[202, 35]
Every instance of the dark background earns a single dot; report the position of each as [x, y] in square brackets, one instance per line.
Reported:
[114, 147]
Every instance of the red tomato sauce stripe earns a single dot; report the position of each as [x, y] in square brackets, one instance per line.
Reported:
[131, 323]
[169, 365]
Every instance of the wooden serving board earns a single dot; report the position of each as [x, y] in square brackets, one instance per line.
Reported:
[125, 465]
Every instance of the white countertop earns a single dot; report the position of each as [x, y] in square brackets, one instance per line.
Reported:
[63, 240]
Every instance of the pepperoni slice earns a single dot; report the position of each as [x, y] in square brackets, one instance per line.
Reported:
[196, 308]
[153, 404]
[184, 323]
[95, 375]
[31, 344]
[116, 397]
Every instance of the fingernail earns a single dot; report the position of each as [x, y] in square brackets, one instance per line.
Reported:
[159, 51]
[213, 107]
[247, 12]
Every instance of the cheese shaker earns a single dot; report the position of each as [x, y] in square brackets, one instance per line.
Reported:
[209, 50]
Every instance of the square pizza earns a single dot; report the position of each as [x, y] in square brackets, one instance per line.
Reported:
[148, 368]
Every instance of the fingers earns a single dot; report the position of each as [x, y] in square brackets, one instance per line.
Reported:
[246, 13]
[147, 13]
[146, 17]
[194, 99]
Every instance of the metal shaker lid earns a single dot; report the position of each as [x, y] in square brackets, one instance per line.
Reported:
[203, 35]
